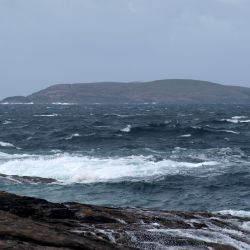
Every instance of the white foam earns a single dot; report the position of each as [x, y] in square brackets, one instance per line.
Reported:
[187, 135]
[245, 121]
[63, 103]
[16, 103]
[211, 236]
[237, 119]
[6, 144]
[230, 120]
[7, 122]
[48, 115]
[229, 131]
[72, 136]
[127, 129]
[83, 169]
[7, 157]
[167, 121]
[246, 226]
[123, 115]
[238, 213]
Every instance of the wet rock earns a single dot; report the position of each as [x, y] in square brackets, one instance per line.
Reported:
[14, 179]
[30, 223]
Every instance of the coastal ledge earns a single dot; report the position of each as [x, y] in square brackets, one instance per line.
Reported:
[31, 223]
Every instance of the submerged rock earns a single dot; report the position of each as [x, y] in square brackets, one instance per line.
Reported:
[30, 223]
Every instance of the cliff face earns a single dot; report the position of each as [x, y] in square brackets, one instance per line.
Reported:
[164, 91]
[30, 223]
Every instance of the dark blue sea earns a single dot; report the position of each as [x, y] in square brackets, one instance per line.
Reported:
[152, 156]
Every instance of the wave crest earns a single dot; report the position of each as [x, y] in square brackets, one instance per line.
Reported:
[83, 169]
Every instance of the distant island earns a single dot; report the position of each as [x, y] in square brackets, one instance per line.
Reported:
[171, 91]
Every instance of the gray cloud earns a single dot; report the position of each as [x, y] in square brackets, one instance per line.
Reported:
[55, 41]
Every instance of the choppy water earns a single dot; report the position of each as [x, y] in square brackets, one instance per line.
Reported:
[167, 157]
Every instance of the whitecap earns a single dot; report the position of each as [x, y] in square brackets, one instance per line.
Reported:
[245, 121]
[239, 117]
[167, 121]
[179, 148]
[68, 169]
[6, 144]
[72, 136]
[124, 115]
[230, 120]
[127, 129]
[184, 136]
[63, 103]
[119, 115]
[228, 131]
[8, 157]
[6, 122]
[246, 226]
[55, 151]
[238, 213]
[154, 151]
[16, 103]
[48, 115]
[236, 119]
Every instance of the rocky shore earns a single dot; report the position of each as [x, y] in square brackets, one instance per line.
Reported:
[30, 223]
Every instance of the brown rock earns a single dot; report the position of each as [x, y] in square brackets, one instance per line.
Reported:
[30, 223]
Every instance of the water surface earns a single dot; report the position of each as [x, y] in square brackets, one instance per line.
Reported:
[155, 156]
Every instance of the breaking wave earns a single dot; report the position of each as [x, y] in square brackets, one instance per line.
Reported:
[127, 129]
[6, 144]
[16, 103]
[237, 213]
[72, 136]
[46, 115]
[63, 103]
[175, 128]
[67, 168]
[237, 119]
[175, 157]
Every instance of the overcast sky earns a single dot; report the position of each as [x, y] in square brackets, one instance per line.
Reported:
[43, 42]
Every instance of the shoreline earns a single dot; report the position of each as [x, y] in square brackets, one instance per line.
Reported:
[31, 223]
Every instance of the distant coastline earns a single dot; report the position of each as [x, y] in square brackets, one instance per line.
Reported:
[171, 91]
